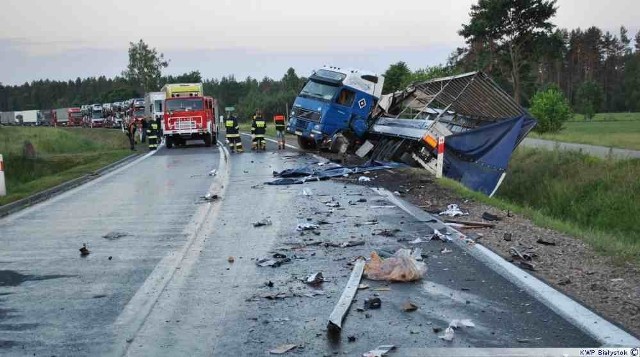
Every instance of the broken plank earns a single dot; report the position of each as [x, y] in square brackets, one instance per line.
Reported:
[349, 292]
[470, 223]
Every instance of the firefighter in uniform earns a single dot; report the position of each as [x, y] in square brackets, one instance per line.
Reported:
[233, 133]
[152, 135]
[258, 129]
[279, 122]
[131, 133]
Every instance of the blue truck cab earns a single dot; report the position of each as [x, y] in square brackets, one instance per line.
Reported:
[334, 102]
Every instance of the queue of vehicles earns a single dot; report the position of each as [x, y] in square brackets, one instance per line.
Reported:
[181, 109]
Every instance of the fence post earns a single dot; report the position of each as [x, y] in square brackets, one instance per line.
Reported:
[440, 161]
[3, 188]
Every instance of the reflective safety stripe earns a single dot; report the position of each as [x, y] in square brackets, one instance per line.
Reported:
[152, 137]
[233, 135]
[260, 124]
[259, 136]
[229, 123]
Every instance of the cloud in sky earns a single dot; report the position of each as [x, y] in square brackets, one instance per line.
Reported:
[69, 38]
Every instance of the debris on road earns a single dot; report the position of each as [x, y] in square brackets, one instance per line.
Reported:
[231, 259]
[400, 267]
[307, 192]
[315, 279]
[333, 204]
[463, 322]
[276, 296]
[453, 211]
[363, 286]
[490, 217]
[264, 222]
[367, 223]
[448, 334]
[274, 263]
[210, 197]
[364, 179]
[84, 251]
[350, 243]
[387, 232]
[306, 227]
[380, 351]
[446, 251]
[545, 241]
[564, 281]
[282, 349]
[327, 171]
[409, 306]
[507, 237]
[351, 338]
[115, 235]
[382, 289]
[349, 292]
[213, 172]
[372, 303]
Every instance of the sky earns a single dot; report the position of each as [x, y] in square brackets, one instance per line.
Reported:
[65, 39]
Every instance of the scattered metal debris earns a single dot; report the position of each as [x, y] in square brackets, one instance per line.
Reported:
[363, 286]
[364, 179]
[115, 235]
[446, 251]
[209, 197]
[463, 322]
[231, 259]
[490, 217]
[350, 243]
[380, 351]
[264, 222]
[282, 349]
[448, 334]
[274, 263]
[507, 237]
[372, 303]
[409, 306]
[306, 227]
[315, 279]
[213, 172]
[349, 292]
[84, 251]
[453, 211]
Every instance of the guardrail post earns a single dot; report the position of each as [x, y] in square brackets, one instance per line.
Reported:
[3, 188]
[440, 160]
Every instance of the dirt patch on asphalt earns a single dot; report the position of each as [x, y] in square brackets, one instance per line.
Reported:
[565, 262]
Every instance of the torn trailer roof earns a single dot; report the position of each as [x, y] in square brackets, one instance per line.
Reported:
[482, 125]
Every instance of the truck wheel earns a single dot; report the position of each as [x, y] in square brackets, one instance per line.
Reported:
[169, 142]
[306, 144]
[214, 139]
[207, 140]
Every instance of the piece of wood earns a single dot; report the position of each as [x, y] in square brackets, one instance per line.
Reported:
[470, 223]
[349, 292]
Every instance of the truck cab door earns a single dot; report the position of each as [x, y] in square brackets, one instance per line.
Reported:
[339, 112]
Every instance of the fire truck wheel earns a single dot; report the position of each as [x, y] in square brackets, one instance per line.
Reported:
[169, 142]
[214, 139]
[207, 140]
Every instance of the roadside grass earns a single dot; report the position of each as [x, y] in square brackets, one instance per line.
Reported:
[620, 130]
[62, 154]
[589, 198]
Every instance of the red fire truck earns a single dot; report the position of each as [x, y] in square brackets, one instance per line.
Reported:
[188, 115]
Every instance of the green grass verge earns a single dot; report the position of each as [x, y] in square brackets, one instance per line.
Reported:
[608, 117]
[62, 154]
[620, 130]
[591, 199]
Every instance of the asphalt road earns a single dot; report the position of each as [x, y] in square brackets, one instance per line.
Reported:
[169, 288]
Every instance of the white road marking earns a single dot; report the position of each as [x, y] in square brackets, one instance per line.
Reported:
[584, 319]
[135, 313]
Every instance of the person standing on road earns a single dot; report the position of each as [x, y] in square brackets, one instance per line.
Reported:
[131, 133]
[233, 133]
[280, 123]
[145, 126]
[259, 129]
[152, 135]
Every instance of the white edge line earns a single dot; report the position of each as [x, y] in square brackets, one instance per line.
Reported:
[74, 190]
[584, 319]
[134, 314]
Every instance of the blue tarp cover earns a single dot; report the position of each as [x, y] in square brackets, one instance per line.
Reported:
[478, 157]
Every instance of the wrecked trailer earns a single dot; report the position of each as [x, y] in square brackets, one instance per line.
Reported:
[464, 127]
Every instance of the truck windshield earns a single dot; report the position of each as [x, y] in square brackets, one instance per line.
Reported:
[318, 90]
[184, 104]
[96, 115]
[138, 112]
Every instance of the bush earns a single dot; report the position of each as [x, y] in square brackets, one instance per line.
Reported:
[551, 109]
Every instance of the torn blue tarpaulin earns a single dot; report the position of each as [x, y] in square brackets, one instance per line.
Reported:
[479, 157]
[318, 172]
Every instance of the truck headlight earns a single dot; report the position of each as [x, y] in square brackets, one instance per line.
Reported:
[316, 127]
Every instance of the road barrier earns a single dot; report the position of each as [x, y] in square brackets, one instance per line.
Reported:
[3, 188]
